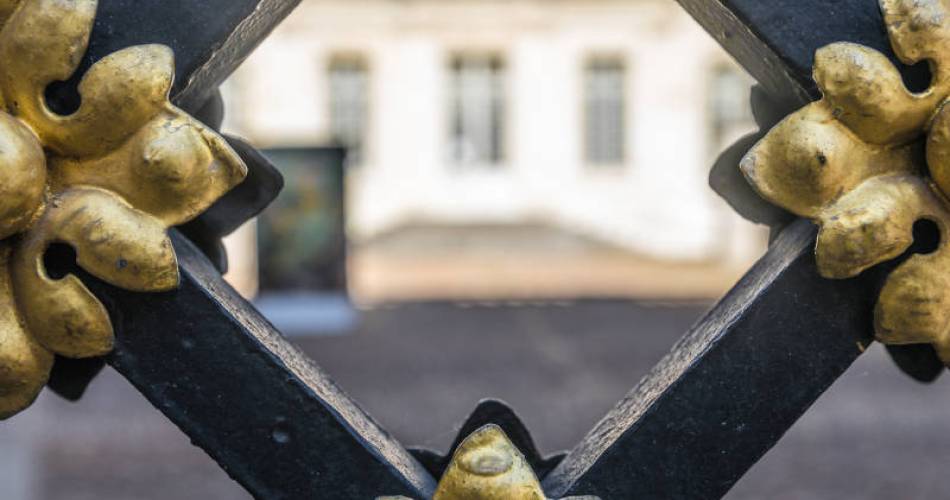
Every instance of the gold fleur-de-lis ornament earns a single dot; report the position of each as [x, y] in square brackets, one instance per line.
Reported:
[869, 160]
[107, 180]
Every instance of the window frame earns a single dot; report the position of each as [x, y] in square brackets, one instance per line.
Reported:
[622, 59]
[502, 117]
[717, 137]
[359, 57]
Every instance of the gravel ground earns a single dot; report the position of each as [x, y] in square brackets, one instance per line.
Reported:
[420, 368]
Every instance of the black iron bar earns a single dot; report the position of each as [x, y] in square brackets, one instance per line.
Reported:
[753, 365]
[204, 356]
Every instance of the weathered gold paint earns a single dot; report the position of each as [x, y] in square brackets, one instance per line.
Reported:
[114, 242]
[22, 176]
[869, 160]
[488, 466]
[24, 364]
[108, 180]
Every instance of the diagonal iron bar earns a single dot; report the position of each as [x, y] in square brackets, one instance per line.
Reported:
[210, 38]
[201, 354]
[732, 387]
[747, 371]
[257, 405]
[775, 41]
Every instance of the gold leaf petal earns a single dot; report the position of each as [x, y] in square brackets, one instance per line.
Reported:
[914, 306]
[918, 29]
[24, 364]
[938, 150]
[873, 223]
[22, 175]
[120, 94]
[114, 242]
[187, 166]
[810, 159]
[867, 94]
[42, 42]
[173, 168]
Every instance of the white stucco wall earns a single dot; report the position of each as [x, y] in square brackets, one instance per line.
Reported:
[658, 203]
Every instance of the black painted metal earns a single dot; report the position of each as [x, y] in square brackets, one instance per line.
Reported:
[775, 40]
[210, 39]
[732, 387]
[71, 377]
[272, 419]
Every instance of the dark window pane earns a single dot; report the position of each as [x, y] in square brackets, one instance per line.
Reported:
[477, 104]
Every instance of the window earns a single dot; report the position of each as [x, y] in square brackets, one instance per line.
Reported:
[731, 114]
[477, 107]
[348, 90]
[604, 111]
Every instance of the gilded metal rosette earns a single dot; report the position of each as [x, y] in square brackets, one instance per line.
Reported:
[107, 180]
[869, 160]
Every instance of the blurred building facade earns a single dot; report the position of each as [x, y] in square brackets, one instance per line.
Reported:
[598, 118]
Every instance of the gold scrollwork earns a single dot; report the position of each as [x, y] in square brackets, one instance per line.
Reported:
[869, 160]
[107, 180]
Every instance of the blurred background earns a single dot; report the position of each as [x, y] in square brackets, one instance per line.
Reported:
[495, 150]
[489, 198]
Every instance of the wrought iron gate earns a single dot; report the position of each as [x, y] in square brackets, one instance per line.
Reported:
[278, 425]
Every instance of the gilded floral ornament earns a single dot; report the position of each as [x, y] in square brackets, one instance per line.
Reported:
[107, 180]
[869, 160]
[488, 466]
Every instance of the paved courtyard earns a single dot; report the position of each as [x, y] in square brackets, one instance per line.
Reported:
[420, 368]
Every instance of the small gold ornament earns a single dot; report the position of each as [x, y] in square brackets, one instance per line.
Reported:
[869, 160]
[107, 180]
[488, 466]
